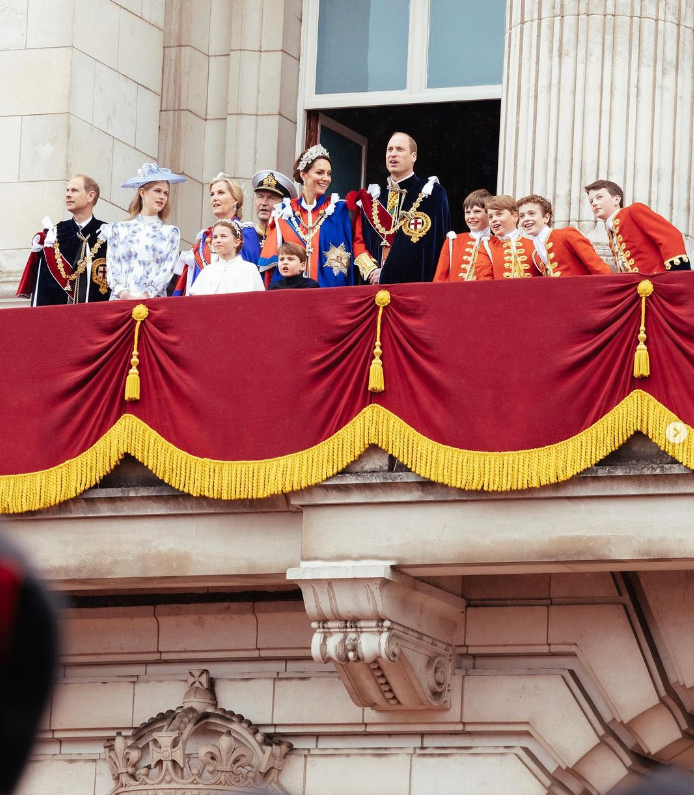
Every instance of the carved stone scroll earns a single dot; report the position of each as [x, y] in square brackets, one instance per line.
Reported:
[391, 637]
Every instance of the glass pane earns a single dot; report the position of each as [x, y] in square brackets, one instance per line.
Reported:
[362, 45]
[466, 43]
[346, 158]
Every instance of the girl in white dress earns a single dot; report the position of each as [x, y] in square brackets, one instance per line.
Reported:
[143, 250]
[227, 272]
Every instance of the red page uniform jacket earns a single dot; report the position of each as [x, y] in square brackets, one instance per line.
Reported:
[567, 252]
[512, 258]
[643, 241]
[464, 258]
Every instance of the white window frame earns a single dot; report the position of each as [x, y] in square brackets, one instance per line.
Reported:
[415, 90]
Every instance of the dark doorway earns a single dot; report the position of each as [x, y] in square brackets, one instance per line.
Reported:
[457, 141]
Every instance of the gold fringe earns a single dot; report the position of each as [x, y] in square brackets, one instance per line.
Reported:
[642, 363]
[464, 469]
[376, 379]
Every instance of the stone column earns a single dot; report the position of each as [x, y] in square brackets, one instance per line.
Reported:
[599, 89]
[81, 95]
[263, 86]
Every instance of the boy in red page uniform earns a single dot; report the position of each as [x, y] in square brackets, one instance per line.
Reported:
[511, 254]
[557, 251]
[465, 257]
[641, 240]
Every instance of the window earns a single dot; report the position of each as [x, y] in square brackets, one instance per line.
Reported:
[353, 55]
[380, 52]
[466, 43]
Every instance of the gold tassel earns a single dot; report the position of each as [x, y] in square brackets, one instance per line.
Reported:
[642, 364]
[132, 382]
[376, 380]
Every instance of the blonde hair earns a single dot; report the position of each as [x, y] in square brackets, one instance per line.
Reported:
[234, 188]
[136, 204]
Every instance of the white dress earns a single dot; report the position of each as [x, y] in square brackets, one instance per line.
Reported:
[227, 276]
[141, 255]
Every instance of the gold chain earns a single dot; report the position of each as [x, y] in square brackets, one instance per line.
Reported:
[405, 216]
[83, 262]
[311, 230]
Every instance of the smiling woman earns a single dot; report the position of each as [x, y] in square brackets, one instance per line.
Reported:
[143, 250]
[318, 222]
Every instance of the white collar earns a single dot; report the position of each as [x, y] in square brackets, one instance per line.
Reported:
[148, 219]
[512, 235]
[307, 206]
[223, 261]
[480, 233]
[609, 223]
[392, 181]
[82, 224]
[542, 235]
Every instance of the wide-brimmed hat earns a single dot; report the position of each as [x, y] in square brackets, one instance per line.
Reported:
[151, 172]
[276, 182]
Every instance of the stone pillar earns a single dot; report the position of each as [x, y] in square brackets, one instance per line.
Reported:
[82, 95]
[602, 91]
[263, 86]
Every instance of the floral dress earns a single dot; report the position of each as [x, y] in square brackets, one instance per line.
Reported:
[141, 256]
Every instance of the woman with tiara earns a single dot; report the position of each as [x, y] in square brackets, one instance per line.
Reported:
[143, 250]
[316, 221]
[226, 200]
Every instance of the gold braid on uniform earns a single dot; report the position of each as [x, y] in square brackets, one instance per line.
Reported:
[406, 215]
[85, 258]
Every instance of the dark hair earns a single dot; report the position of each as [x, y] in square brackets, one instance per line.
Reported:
[293, 250]
[478, 198]
[611, 187]
[296, 174]
[534, 198]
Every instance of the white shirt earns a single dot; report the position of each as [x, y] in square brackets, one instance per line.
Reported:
[512, 235]
[478, 235]
[228, 276]
[610, 221]
[540, 241]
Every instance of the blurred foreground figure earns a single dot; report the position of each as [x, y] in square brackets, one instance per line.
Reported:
[28, 651]
[669, 782]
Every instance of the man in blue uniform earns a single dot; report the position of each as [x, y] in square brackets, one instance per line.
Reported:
[401, 240]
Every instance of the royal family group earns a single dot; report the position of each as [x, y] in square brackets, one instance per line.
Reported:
[309, 238]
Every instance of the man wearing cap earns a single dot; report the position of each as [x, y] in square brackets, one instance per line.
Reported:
[67, 264]
[270, 187]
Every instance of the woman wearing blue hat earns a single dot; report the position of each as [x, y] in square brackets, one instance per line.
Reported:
[142, 251]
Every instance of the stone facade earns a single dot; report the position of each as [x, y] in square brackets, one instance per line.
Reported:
[402, 636]
[102, 86]
[563, 683]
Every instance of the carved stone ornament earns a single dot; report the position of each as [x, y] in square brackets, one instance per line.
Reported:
[196, 749]
[391, 637]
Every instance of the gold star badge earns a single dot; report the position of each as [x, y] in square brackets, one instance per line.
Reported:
[338, 259]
